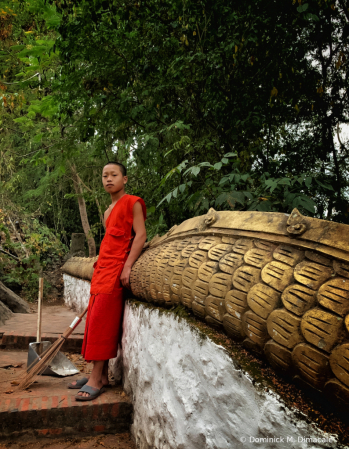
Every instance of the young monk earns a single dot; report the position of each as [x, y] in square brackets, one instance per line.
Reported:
[122, 244]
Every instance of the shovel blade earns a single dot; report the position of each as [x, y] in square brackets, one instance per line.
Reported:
[59, 366]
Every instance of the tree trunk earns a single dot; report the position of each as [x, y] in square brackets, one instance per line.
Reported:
[83, 214]
[97, 202]
[12, 301]
[5, 313]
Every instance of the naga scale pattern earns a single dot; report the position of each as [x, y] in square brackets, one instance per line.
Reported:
[288, 303]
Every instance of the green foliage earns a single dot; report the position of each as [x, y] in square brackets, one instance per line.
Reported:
[25, 276]
[234, 106]
[176, 85]
[27, 248]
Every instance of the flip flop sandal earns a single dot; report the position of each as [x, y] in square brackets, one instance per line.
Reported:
[79, 383]
[93, 392]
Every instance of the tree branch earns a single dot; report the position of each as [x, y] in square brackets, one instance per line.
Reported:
[19, 82]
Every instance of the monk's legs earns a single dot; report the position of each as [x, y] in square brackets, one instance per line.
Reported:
[95, 380]
[105, 380]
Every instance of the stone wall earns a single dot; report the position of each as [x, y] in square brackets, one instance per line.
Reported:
[188, 393]
[76, 292]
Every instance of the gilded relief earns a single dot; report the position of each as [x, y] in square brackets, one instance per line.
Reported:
[277, 283]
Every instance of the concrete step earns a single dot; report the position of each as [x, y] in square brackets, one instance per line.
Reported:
[48, 407]
[20, 329]
[119, 441]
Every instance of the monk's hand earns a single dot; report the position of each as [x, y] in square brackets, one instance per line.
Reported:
[125, 276]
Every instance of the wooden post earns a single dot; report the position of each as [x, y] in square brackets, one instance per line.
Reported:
[41, 293]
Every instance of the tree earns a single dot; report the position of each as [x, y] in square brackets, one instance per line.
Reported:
[83, 213]
[233, 106]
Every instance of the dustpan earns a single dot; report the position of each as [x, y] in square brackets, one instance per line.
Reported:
[60, 364]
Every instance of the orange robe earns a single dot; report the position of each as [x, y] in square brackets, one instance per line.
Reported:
[104, 316]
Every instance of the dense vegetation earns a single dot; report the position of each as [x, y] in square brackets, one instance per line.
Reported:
[232, 105]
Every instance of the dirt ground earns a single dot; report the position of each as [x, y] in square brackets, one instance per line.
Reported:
[11, 371]
[119, 441]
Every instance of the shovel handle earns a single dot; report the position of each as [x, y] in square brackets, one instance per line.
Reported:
[41, 293]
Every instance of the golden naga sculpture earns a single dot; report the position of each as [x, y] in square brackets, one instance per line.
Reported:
[278, 282]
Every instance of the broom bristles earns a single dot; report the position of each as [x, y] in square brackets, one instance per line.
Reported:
[35, 369]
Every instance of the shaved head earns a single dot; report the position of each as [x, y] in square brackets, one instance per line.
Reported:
[121, 166]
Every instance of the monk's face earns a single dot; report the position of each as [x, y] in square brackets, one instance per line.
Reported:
[113, 179]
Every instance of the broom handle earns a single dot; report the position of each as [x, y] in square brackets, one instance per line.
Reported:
[41, 293]
[74, 324]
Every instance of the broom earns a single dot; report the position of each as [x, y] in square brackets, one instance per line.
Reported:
[37, 368]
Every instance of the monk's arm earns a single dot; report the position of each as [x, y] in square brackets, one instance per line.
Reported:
[137, 245]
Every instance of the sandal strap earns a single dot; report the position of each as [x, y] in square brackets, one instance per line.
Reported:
[82, 381]
[90, 390]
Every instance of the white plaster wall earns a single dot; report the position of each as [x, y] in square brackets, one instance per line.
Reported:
[187, 393]
[76, 292]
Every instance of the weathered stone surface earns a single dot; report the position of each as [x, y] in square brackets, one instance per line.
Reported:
[318, 258]
[263, 299]
[12, 301]
[279, 356]
[182, 244]
[229, 240]
[334, 295]
[200, 291]
[176, 283]
[180, 264]
[189, 276]
[335, 389]
[245, 277]
[208, 242]
[312, 364]
[322, 329]
[298, 299]
[5, 313]
[173, 258]
[346, 322]
[262, 244]
[167, 275]
[80, 267]
[241, 246]
[278, 275]
[230, 262]
[289, 255]
[197, 258]
[339, 361]
[341, 268]
[236, 303]
[255, 328]
[166, 293]
[171, 371]
[218, 251]
[187, 298]
[237, 269]
[312, 274]
[258, 257]
[207, 270]
[220, 284]
[284, 328]
[199, 309]
[233, 326]
[215, 308]
[77, 245]
[188, 250]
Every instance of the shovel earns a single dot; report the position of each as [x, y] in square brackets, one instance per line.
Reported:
[60, 365]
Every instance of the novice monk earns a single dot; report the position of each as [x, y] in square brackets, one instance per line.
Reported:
[122, 244]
